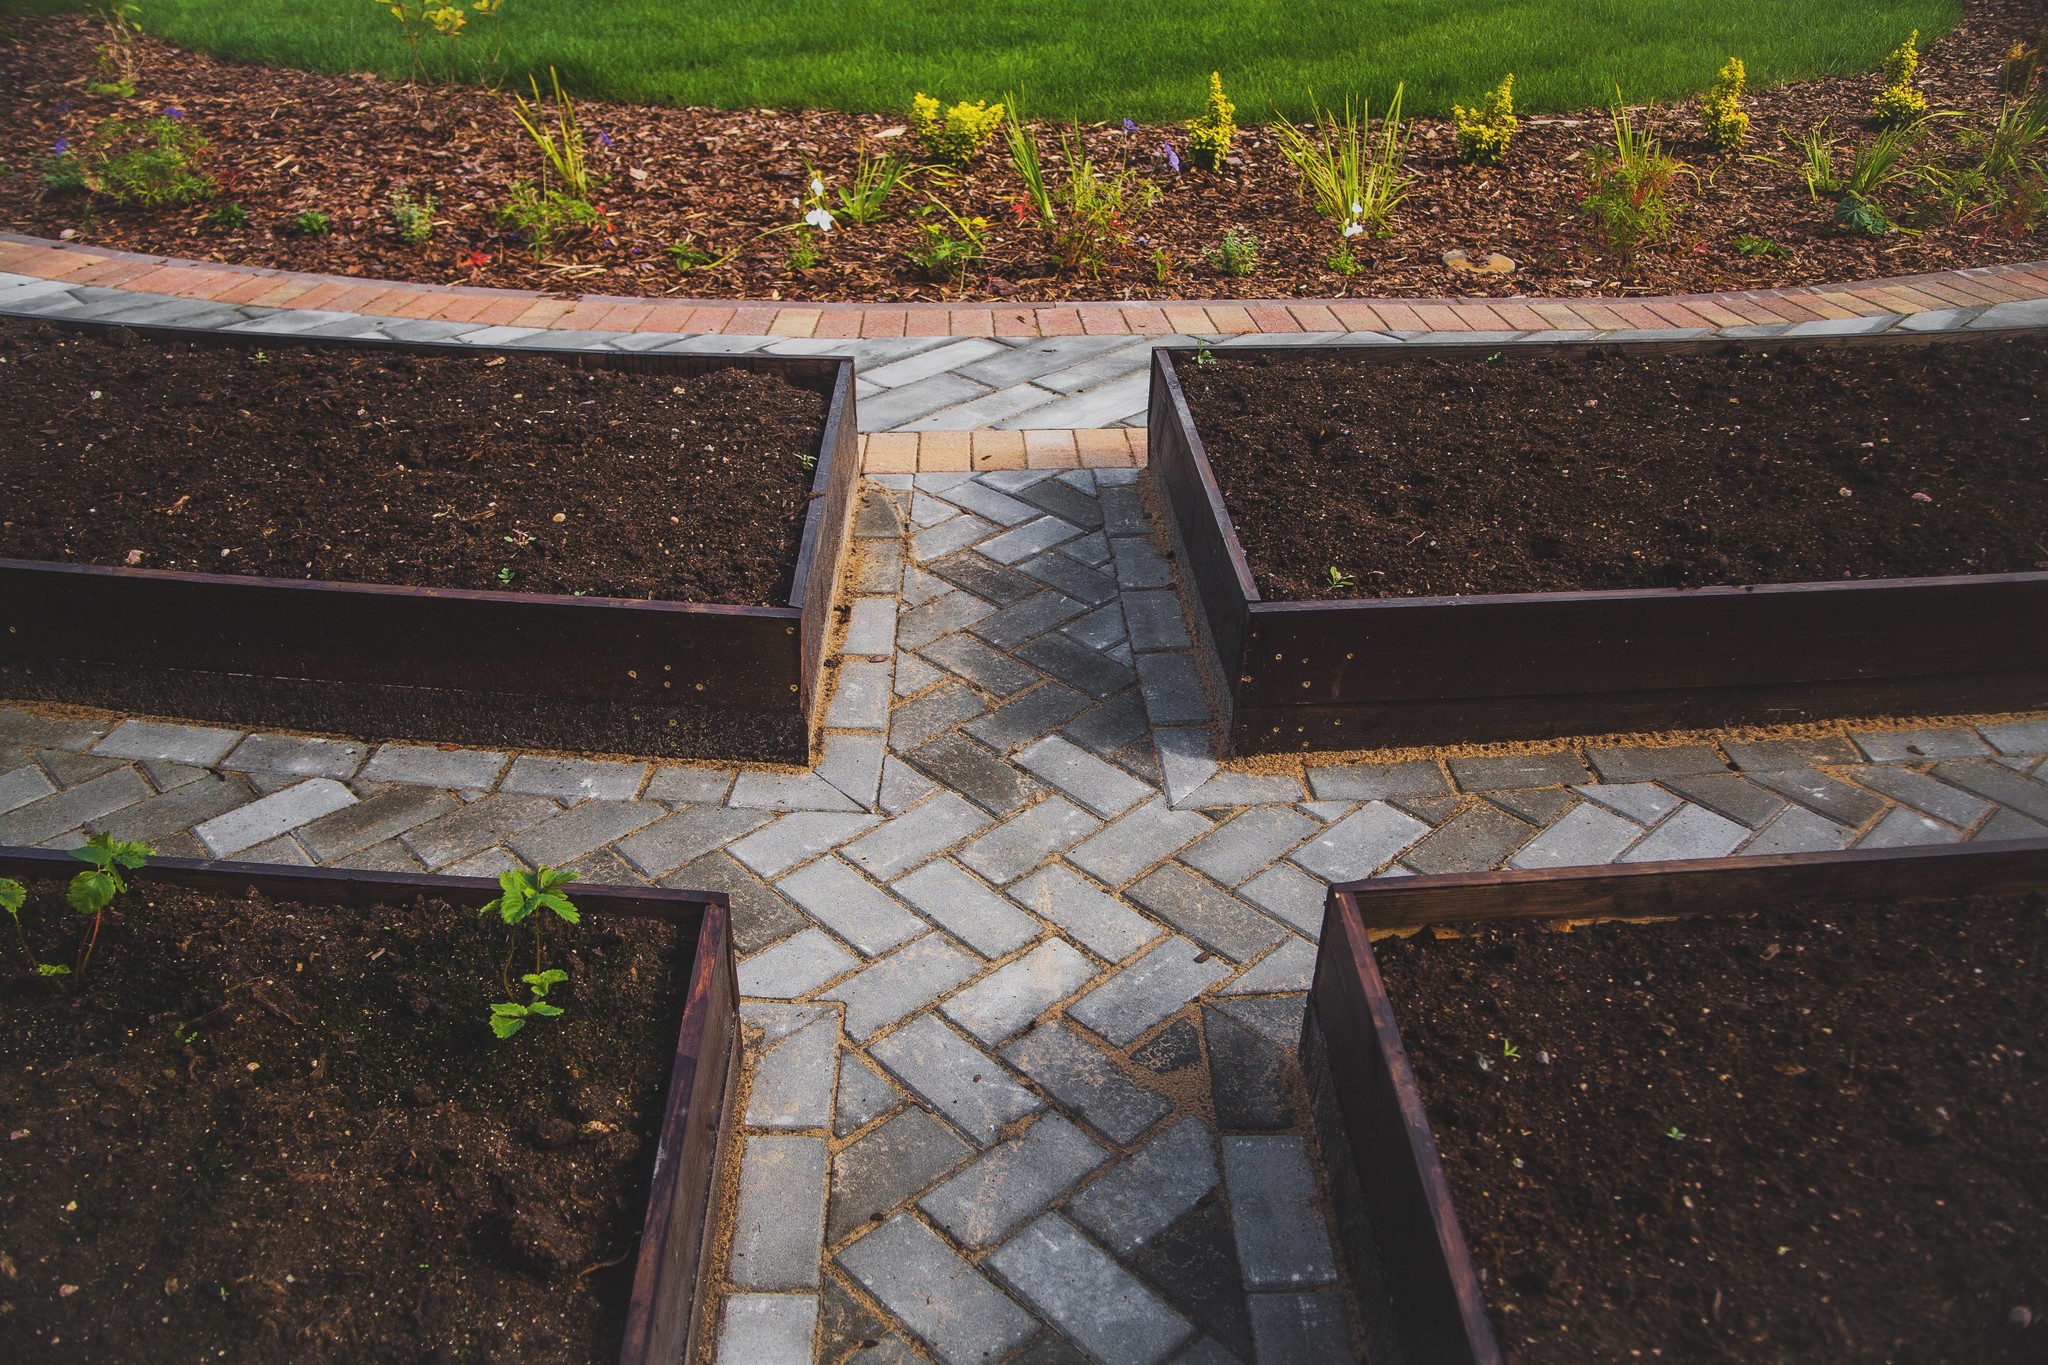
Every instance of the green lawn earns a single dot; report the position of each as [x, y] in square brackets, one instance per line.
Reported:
[1101, 59]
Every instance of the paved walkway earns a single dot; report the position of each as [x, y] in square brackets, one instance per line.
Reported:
[1023, 965]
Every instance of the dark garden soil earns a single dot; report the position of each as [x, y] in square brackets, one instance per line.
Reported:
[1536, 470]
[265, 1131]
[284, 142]
[1790, 1137]
[521, 473]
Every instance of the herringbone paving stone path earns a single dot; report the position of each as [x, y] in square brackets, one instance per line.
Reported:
[1023, 964]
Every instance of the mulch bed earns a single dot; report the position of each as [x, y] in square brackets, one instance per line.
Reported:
[1422, 475]
[360, 465]
[1787, 1137]
[285, 142]
[259, 1131]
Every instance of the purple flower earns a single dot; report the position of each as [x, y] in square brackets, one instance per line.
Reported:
[172, 111]
[63, 145]
[1129, 126]
[1172, 157]
[604, 139]
[63, 106]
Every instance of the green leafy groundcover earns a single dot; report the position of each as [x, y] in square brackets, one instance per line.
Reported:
[1097, 59]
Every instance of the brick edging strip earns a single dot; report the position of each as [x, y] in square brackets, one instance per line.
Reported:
[1948, 291]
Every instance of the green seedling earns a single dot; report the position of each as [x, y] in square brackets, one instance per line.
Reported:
[529, 900]
[505, 576]
[1510, 1051]
[94, 889]
[807, 460]
[1204, 356]
[509, 1016]
[1339, 579]
[1676, 1134]
[12, 898]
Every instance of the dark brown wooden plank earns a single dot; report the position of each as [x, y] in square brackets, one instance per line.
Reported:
[827, 526]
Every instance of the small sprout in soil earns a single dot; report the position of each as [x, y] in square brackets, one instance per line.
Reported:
[1510, 1051]
[520, 901]
[94, 889]
[1749, 244]
[690, 254]
[506, 576]
[1237, 254]
[1204, 356]
[1162, 264]
[1340, 579]
[12, 898]
[1676, 1134]
[312, 223]
[807, 460]
[260, 358]
[229, 216]
[508, 1016]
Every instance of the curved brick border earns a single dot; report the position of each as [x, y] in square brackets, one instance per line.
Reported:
[1942, 294]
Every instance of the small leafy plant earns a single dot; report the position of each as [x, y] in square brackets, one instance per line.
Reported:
[91, 891]
[543, 218]
[1629, 198]
[1237, 254]
[157, 163]
[1751, 245]
[312, 223]
[441, 42]
[1900, 102]
[946, 249]
[116, 68]
[529, 900]
[1485, 132]
[12, 898]
[412, 219]
[1084, 211]
[690, 254]
[1721, 112]
[960, 134]
[1339, 579]
[1210, 133]
[232, 217]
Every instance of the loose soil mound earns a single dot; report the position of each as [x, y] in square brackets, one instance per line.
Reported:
[376, 466]
[1782, 1138]
[1534, 470]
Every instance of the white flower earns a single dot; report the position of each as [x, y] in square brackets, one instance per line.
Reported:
[821, 219]
[1353, 229]
[817, 185]
[1356, 208]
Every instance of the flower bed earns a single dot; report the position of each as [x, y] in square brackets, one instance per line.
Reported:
[1718, 533]
[1797, 1126]
[559, 549]
[269, 1120]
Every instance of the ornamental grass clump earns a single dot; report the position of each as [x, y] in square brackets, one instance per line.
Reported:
[1353, 180]
[1209, 135]
[1484, 132]
[1900, 103]
[958, 136]
[1630, 186]
[1721, 112]
[1085, 210]
[558, 206]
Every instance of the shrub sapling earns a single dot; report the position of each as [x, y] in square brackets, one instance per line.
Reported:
[522, 900]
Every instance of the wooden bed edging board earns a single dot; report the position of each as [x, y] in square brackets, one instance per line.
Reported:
[683, 1196]
[379, 661]
[1385, 672]
[1351, 1028]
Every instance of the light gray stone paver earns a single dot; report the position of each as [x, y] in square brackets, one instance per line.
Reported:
[1078, 1075]
[1099, 922]
[797, 838]
[1918, 746]
[1290, 896]
[1902, 828]
[690, 833]
[2018, 738]
[1281, 1240]
[562, 839]
[1108, 791]
[1377, 781]
[1693, 832]
[680, 784]
[1798, 830]
[959, 1080]
[19, 786]
[916, 836]
[796, 966]
[1243, 789]
[853, 765]
[426, 765]
[1147, 990]
[779, 1222]
[1643, 802]
[851, 906]
[2008, 788]
[1010, 997]
[892, 987]
[281, 812]
[860, 697]
[946, 1303]
[299, 756]
[767, 1329]
[808, 791]
[1150, 1190]
[1290, 967]
[1361, 843]
[1095, 1301]
[902, 786]
[1134, 842]
[1027, 839]
[167, 816]
[199, 745]
[2008, 824]
[1782, 755]
[883, 1168]
[1012, 1182]
[864, 1095]
[1840, 801]
[574, 779]
[1923, 793]
[871, 627]
[1586, 835]
[792, 1086]
[966, 908]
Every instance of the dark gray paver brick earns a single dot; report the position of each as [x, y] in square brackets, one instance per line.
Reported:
[1798, 830]
[1917, 746]
[690, 833]
[1076, 580]
[1065, 501]
[966, 908]
[1489, 774]
[1139, 564]
[760, 914]
[579, 830]
[1839, 801]
[1249, 842]
[477, 826]
[779, 1222]
[1077, 665]
[1025, 718]
[864, 1095]
[1247, 1074]
[1281, 1240]
[872, 1176]
[173, 812]
[1643, 802]
[1146, 991]
[1647, 763]
[1923, 793]
[293, 754]
[890, 988]
[1022, 542]
[1135, 841]
[1088, 1296]
[963, 1083]
[2007, 824]
[1013, 625]
[389, 856]
[386, 815]
[878, 518]
[1210, 916]
[1027, 839]
[70, 769]
[1082, 1078]
[1483, 837]
[1102, 628]
[1155, 620]
[1726, 794]
[1537, 805]
[945, 1302]
[2008, 788]
[1149, 1191]
[28, 730]
[1779, 755]
[1172, 687]
[1377, 781]
[968, 768]
[1012, 1182]
[926, 622]
[1300, 1329]
[851, 906]
[1109, 727]
[993, 671]
[930, 715]
[1903, 828]
[1195, 1262]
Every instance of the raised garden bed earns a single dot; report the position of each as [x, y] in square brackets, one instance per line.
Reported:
[1721, 532]
[1802, 1122]
[270, 1121]
[520, 547]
